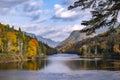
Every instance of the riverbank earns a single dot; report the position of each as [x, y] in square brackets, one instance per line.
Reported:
[6, 58]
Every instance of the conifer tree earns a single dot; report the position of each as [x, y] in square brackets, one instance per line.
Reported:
[104, 13]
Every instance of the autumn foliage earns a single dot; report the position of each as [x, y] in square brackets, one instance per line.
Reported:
[32, 48]
[17, 42]
[106, 44]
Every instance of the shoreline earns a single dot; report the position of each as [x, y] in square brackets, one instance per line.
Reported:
[8, 58]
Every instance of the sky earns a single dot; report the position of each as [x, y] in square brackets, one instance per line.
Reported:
[47, 18]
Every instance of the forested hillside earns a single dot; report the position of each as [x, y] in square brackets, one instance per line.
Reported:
[106, 44]
[18, 43]
[75, 36]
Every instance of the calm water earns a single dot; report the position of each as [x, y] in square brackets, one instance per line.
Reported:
[62, 67]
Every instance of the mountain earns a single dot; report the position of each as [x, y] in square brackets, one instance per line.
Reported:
[47, 41]
[30, 34]
[17, 43]
[74, 37]
[77, 35]
[106, 44]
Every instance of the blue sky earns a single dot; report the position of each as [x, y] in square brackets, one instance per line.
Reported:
[48, 18]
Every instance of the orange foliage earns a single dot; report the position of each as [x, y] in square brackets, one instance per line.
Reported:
[32, 65]
[32, 48]
[33, 42]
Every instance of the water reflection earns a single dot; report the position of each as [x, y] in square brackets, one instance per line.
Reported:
[56, 66]
[28, 65]
[62, 63]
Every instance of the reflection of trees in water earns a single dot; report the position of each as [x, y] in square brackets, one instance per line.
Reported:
[28, 65]
[107, 64]
[93, 65]
[116, 65]
[35, 65]
[11, 66]
[32, 65]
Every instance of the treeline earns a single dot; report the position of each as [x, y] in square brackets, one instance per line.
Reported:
[106, 44]
[16, 42]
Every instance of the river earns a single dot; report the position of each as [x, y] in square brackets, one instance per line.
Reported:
[62, 67]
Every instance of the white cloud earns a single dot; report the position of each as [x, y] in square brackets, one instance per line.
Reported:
[69, 2]
[61, 12]
[7, 5]
[32, 9]
[32, 5]
[78, 27]
[57, 33]
[27, 8]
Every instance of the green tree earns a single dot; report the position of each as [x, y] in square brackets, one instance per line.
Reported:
[20, 41]
[104, 13]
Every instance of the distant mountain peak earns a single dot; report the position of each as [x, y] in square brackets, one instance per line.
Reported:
[74, 37]
[47, 41]
[77, 35]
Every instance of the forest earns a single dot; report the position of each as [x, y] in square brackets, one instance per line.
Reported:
[16, 45]
[106, 44]
[104, 13]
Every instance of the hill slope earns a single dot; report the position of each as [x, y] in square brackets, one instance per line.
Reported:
[16, 42]
[47, 41]
[77, 35]
[74, 37]
[106, 44]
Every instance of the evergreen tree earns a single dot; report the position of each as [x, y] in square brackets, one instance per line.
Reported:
[104, 13]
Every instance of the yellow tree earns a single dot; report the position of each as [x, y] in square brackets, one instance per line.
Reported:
[32, 48]
[12, 42]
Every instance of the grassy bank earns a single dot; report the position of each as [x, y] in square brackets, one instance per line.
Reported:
[5, 58]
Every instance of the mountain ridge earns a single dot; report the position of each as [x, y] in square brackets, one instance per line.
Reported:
[15, 45]
[47, 41]
[74, 37]
[77, 35]
[106, 44]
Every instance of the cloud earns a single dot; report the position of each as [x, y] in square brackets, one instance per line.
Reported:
[7, 5]
[41, 23]
[57, 33]
[68, 2]
[32, 9]
[78, 27]
[10, 3]
[34, 14]
[27, 8]
[63, 13]
[32, 5]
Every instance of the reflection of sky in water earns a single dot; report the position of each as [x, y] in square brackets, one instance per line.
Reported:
[56, 63]
[56, 67]
[66, 67]
[64, 63]
[81, 75]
